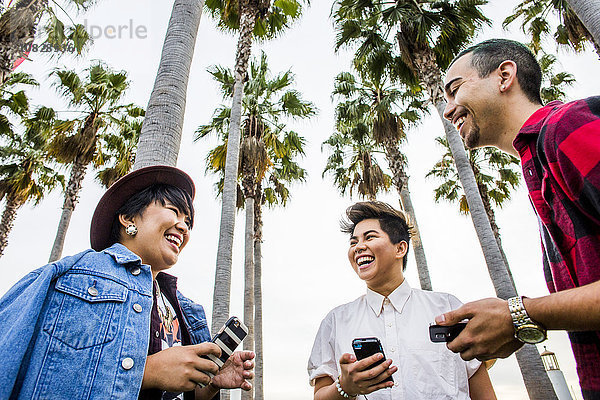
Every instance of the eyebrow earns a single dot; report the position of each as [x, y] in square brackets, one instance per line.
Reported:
[447, 86]
[365, 233]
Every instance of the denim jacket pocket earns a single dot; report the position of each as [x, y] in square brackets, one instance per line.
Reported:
[85, 310]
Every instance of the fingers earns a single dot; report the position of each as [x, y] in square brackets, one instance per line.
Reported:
[347, 358]
[246, 355]
[206, 348]
[367, 363]
[454, 317]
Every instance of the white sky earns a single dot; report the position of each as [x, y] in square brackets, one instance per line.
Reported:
[305, 269]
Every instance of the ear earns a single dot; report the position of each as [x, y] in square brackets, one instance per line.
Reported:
[507, 71]
[125, 221]
[401, 249]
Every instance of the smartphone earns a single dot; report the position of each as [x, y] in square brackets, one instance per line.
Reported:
[228, 338]
[365, 347]
[438, 333]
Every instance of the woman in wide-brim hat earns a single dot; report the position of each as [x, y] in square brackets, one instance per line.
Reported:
[108, 322]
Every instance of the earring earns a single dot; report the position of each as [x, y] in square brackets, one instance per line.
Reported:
[131, 230]
[502, 87]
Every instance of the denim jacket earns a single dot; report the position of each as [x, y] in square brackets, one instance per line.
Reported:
[78, 328]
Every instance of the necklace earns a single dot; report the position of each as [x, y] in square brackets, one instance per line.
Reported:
[166, 315]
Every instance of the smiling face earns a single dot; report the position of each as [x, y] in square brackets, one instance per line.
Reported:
[163, 231]
[473, 103]
[374, 258]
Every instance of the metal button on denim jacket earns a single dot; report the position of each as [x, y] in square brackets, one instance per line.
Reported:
[73, 330]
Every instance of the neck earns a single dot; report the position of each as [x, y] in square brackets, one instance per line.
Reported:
[387, 287]
[519, 111]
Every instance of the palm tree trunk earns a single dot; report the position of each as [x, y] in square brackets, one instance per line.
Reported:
[71, 197]
[589, 14]
[536, 380]
[249, 283]
[8, 219]
[18, 26]
[161, 131]
[258, 343]
[400, 180]
[418, 249]
[224, 252]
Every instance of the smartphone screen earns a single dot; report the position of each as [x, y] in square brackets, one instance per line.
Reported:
[365, 347]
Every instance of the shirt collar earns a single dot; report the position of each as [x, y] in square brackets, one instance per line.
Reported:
[398, 298]
[533, 125]
[122, 254]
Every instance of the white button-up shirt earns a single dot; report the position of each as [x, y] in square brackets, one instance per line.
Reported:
[401, 321]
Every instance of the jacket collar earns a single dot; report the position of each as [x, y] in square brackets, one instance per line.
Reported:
[122, 254]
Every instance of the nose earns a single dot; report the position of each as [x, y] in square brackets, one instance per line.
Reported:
[182, 226]
[449, 110]
[360, 246]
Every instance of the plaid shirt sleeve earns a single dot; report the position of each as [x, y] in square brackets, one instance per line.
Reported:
[572, 149]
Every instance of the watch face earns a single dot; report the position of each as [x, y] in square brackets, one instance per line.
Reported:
[531, 334]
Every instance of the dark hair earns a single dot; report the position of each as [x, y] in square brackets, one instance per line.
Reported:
[162, 193]
[489, 54]
[393, 222]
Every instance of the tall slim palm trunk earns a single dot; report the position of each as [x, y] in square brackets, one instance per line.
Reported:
[400, 181]
[536, 380]
[222, 290]
[249, 283]
[258, 342]
[78, 172]
[162, 128]
[589, 13]
[18, 26]
[8, 220]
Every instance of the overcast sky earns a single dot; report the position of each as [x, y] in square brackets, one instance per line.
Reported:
[305, 269]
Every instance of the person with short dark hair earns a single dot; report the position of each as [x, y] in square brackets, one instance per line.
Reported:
[398, 315]
[493, 90]
[109, 323]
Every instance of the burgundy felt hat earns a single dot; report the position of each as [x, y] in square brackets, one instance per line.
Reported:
[123, 189]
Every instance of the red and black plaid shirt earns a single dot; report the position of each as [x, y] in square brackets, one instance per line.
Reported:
[559, 147]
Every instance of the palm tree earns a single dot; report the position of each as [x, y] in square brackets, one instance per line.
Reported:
[78, 141]
[24, 174]
[589, 13]
[570, 32]
[262, 19]
[371, 104]
[19, 25]
[267, 151]
[428, 35]
[496, 174]
[120, 150]
[161, 131]
[354, 166]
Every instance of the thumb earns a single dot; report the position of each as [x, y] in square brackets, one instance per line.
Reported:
[347, 358]
[451, 317]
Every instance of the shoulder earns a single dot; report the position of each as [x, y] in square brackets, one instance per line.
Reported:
[570, 120]
[439, 301]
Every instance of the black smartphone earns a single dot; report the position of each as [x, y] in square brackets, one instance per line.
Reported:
[365, 347]
[438, 333]
[228, 338]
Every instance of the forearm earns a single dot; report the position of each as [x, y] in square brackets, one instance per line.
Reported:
[480, 386]
[325, 389]
[207, 392]
[573, 310]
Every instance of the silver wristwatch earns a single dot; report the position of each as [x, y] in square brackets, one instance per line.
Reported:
[526, 330]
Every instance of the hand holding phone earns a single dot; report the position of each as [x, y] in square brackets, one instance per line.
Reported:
[228, 338]
[366, 347]
[439, 333]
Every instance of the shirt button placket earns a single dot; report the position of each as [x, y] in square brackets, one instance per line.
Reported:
[391, 336]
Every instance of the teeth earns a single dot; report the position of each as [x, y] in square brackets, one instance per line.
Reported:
[364, 260]
[460, 121]
[174, 239]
